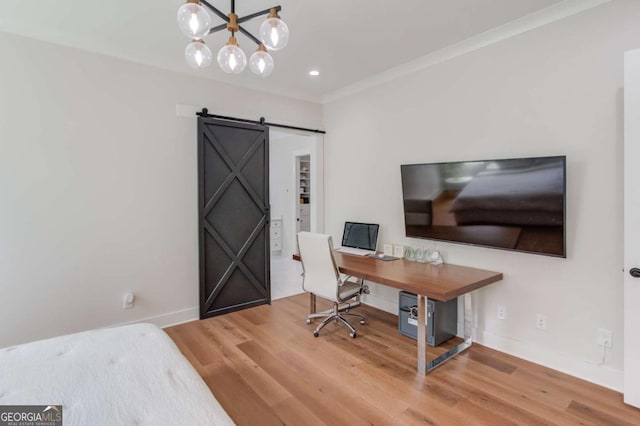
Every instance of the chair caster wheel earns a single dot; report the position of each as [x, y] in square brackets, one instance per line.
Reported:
[353, 335]
[308, 320]
[316, 334]
[362, 322]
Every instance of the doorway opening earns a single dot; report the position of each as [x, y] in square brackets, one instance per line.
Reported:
[297, 202]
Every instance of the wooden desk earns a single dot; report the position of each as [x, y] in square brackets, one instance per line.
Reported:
[439, 282]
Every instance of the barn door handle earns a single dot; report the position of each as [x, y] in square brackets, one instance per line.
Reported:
[635, 272]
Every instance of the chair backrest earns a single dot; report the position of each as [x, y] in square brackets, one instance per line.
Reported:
[321, 275]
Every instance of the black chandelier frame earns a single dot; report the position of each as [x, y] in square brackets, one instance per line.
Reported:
[239, 20]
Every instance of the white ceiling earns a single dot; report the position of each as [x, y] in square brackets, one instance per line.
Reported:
[348, 41]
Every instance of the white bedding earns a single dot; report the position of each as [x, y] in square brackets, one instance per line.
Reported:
[131, 375]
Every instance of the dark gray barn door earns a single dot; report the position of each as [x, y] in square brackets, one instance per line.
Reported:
[233, 174]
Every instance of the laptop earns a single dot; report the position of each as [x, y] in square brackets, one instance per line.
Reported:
[359, 238]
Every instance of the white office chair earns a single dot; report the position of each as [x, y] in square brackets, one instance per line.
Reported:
[321, 277]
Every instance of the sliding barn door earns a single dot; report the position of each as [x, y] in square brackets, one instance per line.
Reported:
[233, 174]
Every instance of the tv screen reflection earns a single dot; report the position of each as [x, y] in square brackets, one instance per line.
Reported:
[516, 204]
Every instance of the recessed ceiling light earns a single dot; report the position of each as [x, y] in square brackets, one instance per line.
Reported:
[314, 73]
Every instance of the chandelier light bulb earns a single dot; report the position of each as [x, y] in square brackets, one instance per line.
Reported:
[261, 63]
[274, 33]
[193, 20]
[198, 55]
[231, 58]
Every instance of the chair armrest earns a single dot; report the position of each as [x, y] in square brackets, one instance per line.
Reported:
[347, 278]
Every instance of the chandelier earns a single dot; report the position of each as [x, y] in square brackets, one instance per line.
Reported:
[195, 22]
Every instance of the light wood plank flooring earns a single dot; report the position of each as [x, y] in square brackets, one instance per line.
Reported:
[266, 368]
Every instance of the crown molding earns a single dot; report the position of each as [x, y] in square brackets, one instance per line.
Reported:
[529, 22]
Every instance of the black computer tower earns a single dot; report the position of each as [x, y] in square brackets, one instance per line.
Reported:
[442, 318]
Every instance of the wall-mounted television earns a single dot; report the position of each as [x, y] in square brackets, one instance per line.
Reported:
[514, 204]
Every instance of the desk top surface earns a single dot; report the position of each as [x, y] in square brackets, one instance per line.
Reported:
[438, 282]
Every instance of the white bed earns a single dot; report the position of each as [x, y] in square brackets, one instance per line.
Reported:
[130, 375]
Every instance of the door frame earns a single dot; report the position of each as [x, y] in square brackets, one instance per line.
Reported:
[631, 370]
[316, 211]
[296, 182]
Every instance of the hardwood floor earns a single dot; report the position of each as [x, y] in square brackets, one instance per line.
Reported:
[266, 368]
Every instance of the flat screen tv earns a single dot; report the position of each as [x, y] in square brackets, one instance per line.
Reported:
[515, 204]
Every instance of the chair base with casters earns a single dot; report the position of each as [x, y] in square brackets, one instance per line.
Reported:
[349, 290]
[321, 278]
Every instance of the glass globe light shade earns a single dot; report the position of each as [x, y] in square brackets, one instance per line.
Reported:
[274, 33]
[231, 58]
[193, 20]
[261, 63]
[198, 55]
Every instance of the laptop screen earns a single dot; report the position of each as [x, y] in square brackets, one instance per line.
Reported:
[360, 235]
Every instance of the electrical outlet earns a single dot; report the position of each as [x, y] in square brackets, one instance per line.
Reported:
[541, 321]
[502, 312]
[605, 337]
[128, 301]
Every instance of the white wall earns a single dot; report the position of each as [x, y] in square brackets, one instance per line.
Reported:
[98, 187]
[553, 90]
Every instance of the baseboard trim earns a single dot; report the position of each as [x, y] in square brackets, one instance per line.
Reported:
[602, 375]
[591, 372]
[168, 319]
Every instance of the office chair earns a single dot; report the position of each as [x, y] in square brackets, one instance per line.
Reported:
[321, 277]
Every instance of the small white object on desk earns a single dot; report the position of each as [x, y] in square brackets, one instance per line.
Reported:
[388, 249]
[418, 254]
[398, 250]
[436, 258]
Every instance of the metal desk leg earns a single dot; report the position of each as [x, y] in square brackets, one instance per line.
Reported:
[422, 335]
[468, 318]
[462, 346]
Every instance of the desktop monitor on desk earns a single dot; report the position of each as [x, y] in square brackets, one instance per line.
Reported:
[360, 236]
